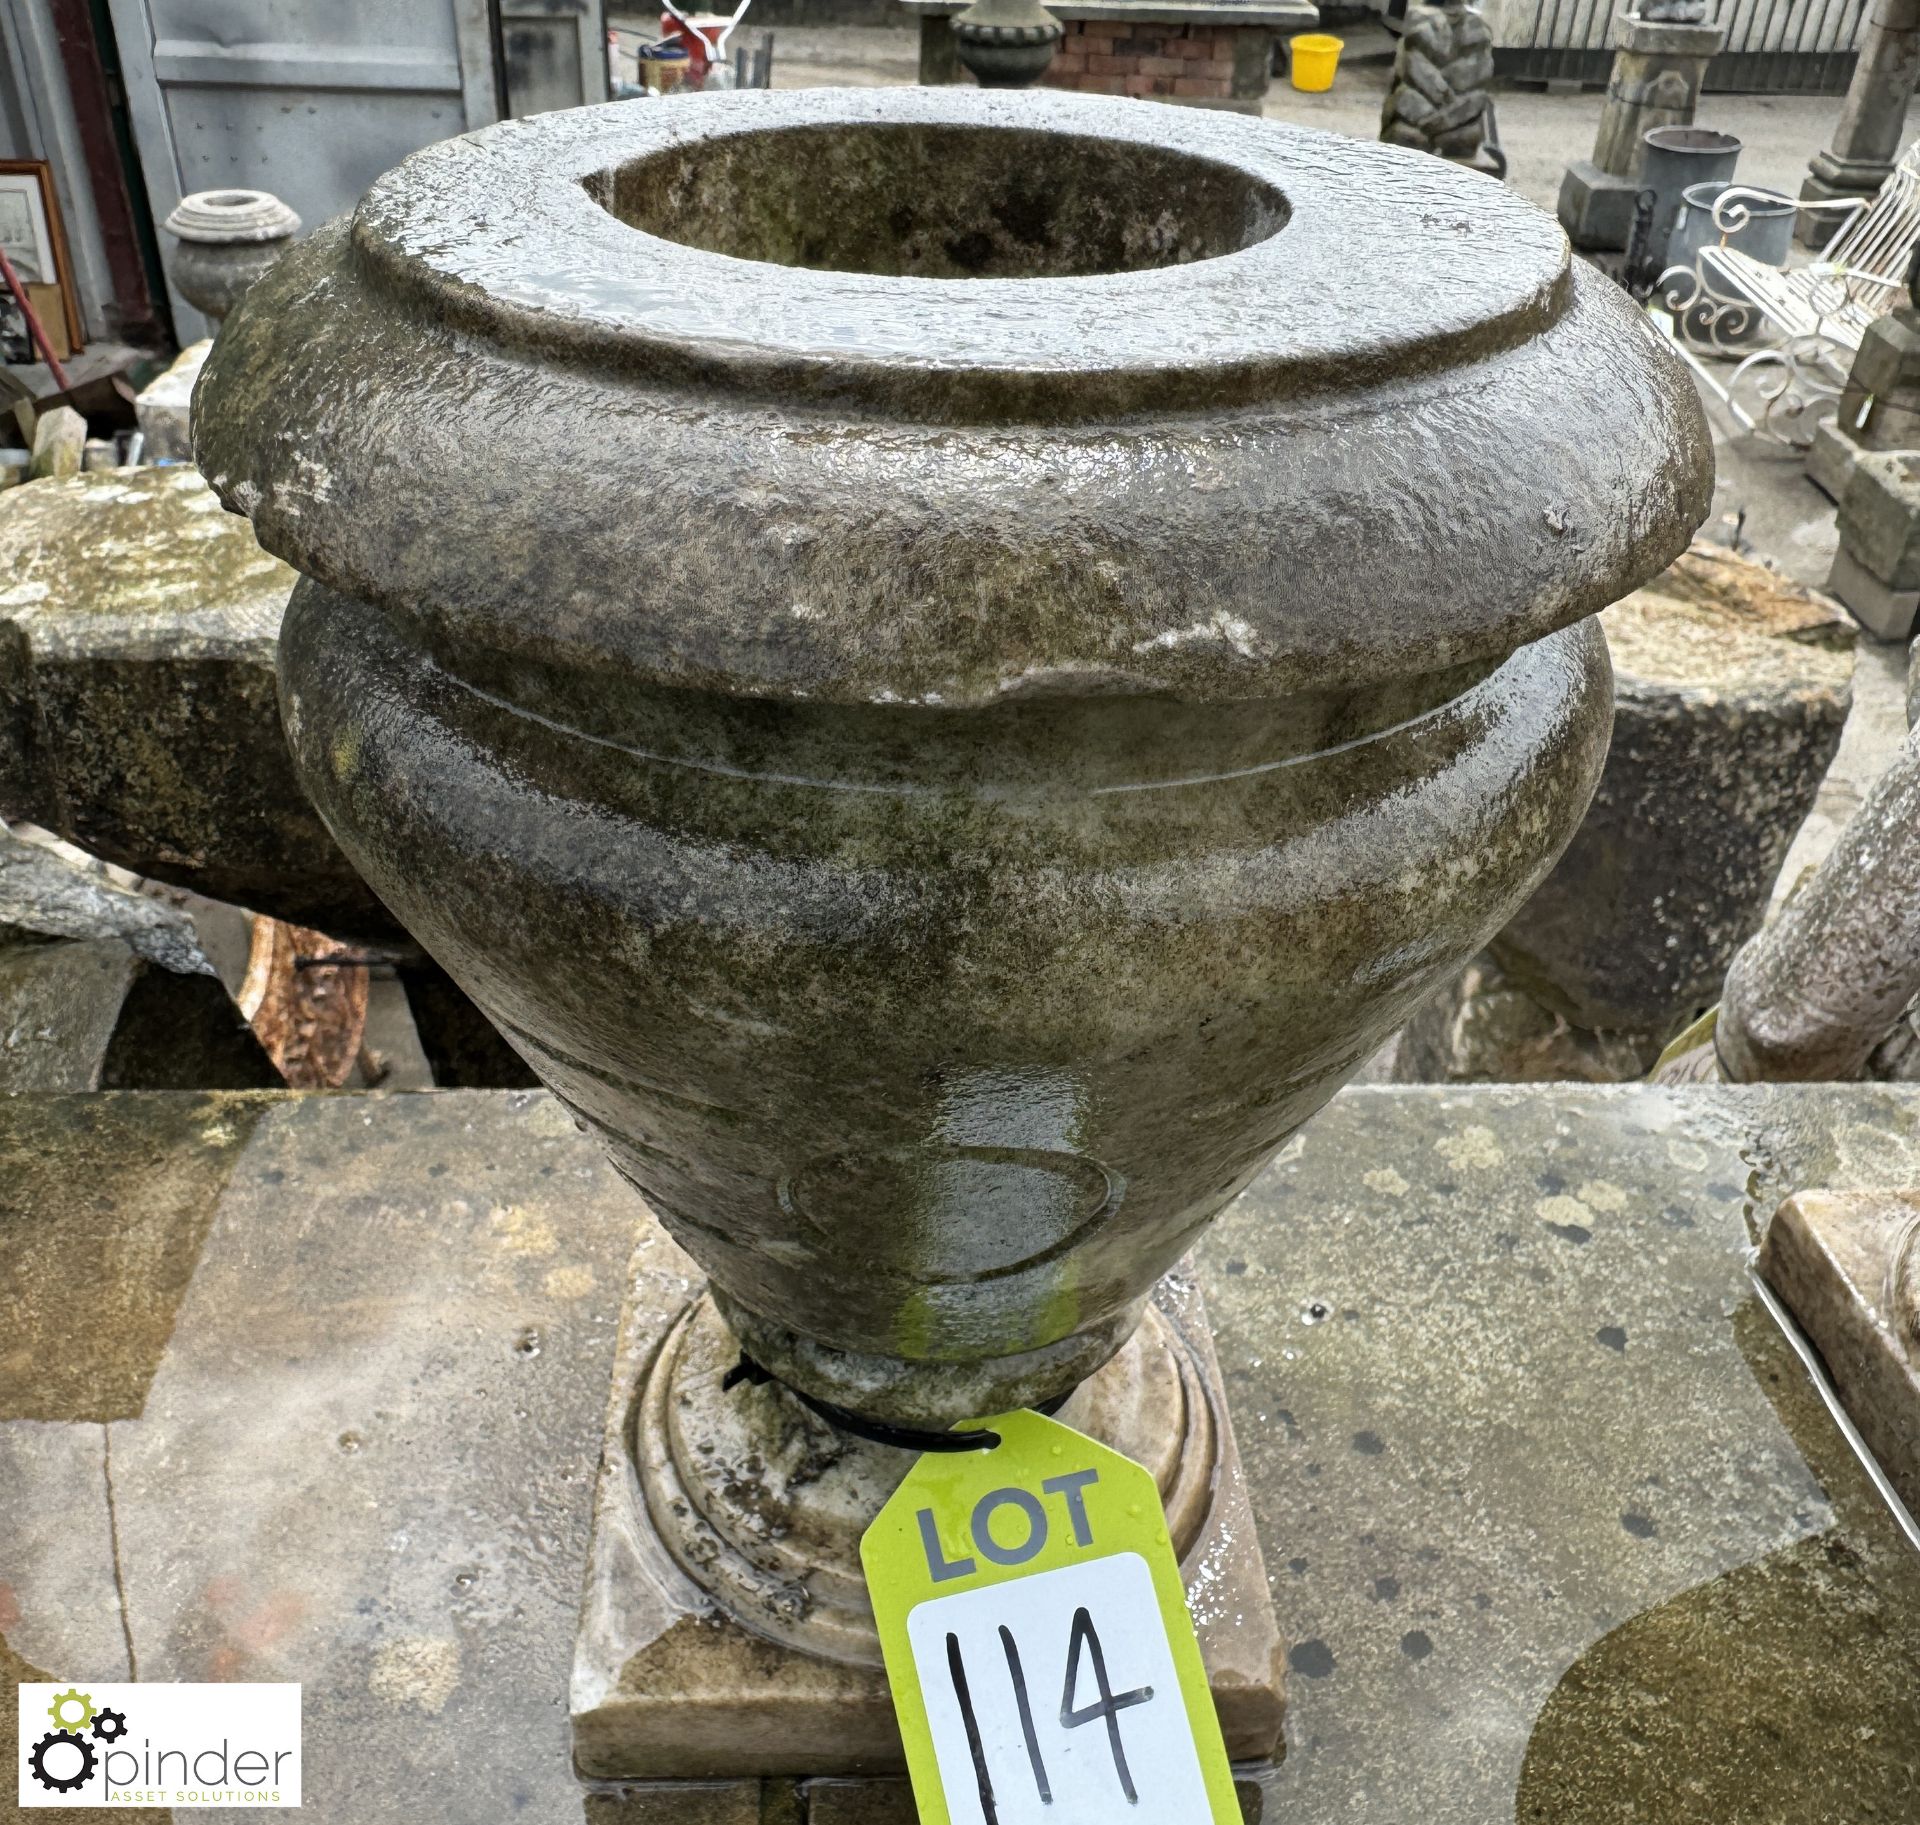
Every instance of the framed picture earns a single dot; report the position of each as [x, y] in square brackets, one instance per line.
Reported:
[36, 243]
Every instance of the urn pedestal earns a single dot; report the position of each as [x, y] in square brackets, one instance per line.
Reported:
[1039, 677]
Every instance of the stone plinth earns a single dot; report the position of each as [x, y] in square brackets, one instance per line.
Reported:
[1216, 56]
[138, 714]
[1847, 1265]
[1868, 136]
[1657, 71]
[1551, 1533]
[755, 1705]
[1880, 407]
[1876, 571]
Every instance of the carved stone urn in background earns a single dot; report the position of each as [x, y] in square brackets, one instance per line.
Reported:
[226, 240]
[1050, 677]
[1007, 44]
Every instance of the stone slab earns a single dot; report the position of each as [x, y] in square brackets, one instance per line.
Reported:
[1828, 1256]
[164, 407]
[1596, 208]
[1886, 613]
[667, 1683]
[1557, 1526]
[138, 707]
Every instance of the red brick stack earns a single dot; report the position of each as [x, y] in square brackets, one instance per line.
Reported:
[1124, 57]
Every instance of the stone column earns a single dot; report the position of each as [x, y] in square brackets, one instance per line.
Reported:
[1658, 67]
[1809, 998]
[1872, 119]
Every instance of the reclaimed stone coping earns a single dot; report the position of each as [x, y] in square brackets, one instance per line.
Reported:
[1557, 1526]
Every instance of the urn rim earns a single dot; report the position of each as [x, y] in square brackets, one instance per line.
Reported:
[1288, 314]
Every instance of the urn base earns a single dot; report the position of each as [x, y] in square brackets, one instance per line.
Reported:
[725, 1630]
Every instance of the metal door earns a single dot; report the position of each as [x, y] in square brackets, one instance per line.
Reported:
[313, 99]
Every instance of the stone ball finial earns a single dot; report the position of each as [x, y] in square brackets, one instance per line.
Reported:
[227, 239]
[1007, 44]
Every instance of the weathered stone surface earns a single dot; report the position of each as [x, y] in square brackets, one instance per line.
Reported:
[361, 1450]
[1812, 995]
[59, 440]
[1486, 1029]
[1848, 1266]
[685, 1803]
[164, 407]
[45, 895]
[101, 988]
[1880, 517]
[1444, 1468]
[1731, 688]
[98, 1016]
[897, 830]
[137, 695]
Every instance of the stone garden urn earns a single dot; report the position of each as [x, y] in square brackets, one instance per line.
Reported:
[225, 240]
[945, 674]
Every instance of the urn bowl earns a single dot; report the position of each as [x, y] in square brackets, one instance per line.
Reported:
[946, 664]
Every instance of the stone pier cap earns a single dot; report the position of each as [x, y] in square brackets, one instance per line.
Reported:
[919, 351]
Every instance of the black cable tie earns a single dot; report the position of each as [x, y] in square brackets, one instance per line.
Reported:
[874, 1431]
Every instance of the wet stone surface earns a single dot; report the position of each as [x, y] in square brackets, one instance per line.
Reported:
[1557, 1529]
[138, 718]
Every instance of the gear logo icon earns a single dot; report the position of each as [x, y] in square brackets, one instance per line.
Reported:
[109, 1725]
[54, 1739]
[72, 1697]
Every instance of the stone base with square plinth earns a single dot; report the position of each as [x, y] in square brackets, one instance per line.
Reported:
[779, 1673]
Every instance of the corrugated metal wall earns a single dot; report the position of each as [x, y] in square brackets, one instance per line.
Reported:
[1802, 47]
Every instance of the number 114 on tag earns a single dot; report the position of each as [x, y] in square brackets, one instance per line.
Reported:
[1038, 1645]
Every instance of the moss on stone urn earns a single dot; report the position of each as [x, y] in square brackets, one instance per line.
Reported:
[946, 664]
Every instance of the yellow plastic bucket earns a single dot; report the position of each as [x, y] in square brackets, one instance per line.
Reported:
[1315, 57]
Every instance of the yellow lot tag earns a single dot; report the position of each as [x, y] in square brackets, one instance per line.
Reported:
[1043, 1663]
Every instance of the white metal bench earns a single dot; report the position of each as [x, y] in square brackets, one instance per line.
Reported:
[1792, 332]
